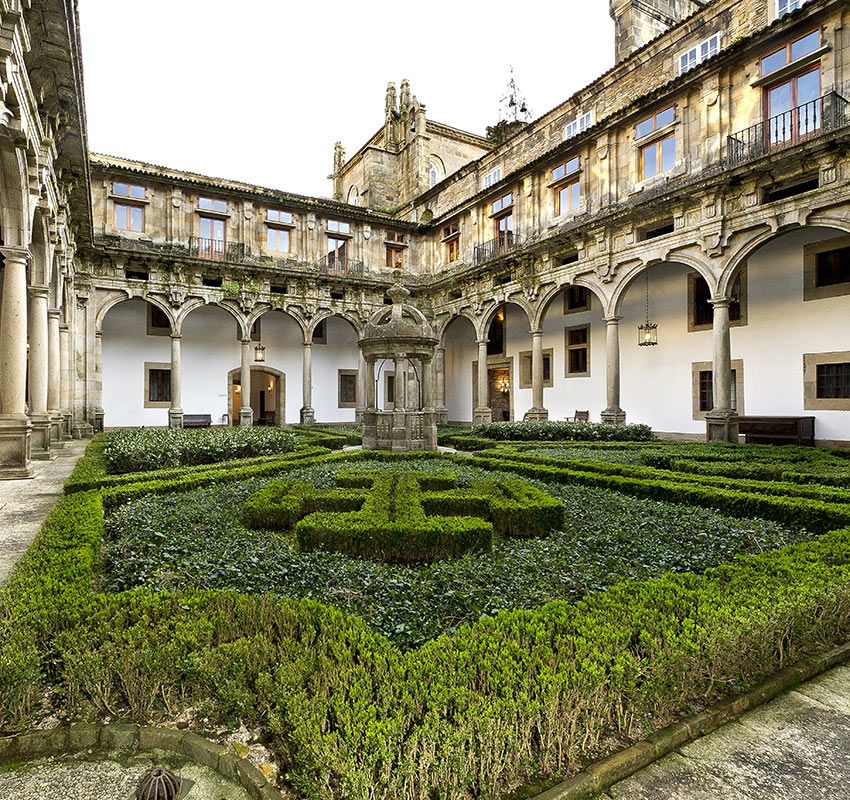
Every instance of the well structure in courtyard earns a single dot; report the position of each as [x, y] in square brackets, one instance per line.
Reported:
[401, 338]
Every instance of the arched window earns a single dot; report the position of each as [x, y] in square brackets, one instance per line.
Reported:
[353, 196]
[432, 176]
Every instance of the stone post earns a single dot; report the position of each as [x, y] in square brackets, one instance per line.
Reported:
[613, 414]
[54, 378]
[246, 414]
[308, 415]
[398, 386]
[721, 422]
[371, 391]
[483, 414]
[15, 428]
[429, 421]
[65, 378]
[38, 357]
[175, 413]
[361, 388]
[439, 369]
[537, 410]
[97, 411]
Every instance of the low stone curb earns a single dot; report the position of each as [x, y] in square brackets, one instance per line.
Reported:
[120, 737]
[602, 775]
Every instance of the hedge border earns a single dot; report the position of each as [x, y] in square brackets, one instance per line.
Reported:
[602, 775]
[121, 737]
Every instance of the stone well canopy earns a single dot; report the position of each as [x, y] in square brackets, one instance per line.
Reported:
[398, 330]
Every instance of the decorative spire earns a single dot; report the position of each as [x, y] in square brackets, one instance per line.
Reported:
[404, 100]
[391, 104]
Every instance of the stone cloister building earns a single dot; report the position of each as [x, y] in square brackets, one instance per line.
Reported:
[669, 245]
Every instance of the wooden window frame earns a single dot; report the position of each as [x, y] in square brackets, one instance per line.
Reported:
[789, 60]
[811, 401]
[698, 367]
[577, 309]
[811, 289]
[568, 348]
[128, 205]
[278, 233]
[159, 366]
[393, 252]
[347, 373]
[659, 158]
[576, 181]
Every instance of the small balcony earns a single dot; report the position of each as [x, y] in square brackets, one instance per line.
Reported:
[808, 121]
[340, 266]
[502, 245]
[218, 250]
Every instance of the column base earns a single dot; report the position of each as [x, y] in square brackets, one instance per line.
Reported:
[482, 416]
[358, 415]
[246, 417]
[613, 416]
[536, 415]
[308, 416]
[40, 440]
[67, 425]
[721, 426]
[441, 414]
[175, 417]
[57, 439]
[82, 430]
[15, 447]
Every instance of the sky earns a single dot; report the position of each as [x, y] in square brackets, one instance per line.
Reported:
[259, 91]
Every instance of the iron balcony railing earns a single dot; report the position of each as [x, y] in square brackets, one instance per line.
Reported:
[500, 246]
[217, 250]
[787, 129]
[340, 266]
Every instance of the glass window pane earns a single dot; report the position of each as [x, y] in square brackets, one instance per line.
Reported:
[120, 217]
[121, 188]
[138, 192]
[558, 172]
[205, 203]
[573, 164]
[665, 117]
[271, 239]
[344, 227]
[650, 161]
[333, 225]
[273, 215]
[286, 217]
[220, 205]
[218, 229]
[774, 61]
[136, 219]
[668, 153]
[205, 228]
[283, 241]
[644, 128]
[575, 199]
[808, 44]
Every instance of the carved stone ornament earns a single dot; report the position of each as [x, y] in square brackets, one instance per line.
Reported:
[247, 300]
[176, 296]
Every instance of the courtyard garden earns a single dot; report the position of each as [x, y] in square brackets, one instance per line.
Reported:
[449, 625]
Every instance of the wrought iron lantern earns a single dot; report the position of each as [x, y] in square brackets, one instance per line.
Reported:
[259, 353]
[648, 331]
[159, 784]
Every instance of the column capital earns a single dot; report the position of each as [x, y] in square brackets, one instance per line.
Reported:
[245, 342]
[536, 331]
[176, 336]
[479, 342]
[720, 302]
[38, 291]
[307, 343]
[19, 254]
[612, 320]
[53, 313]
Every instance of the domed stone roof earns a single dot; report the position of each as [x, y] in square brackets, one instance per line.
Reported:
[398, 329]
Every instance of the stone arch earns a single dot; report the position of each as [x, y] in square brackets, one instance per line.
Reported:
[117, 296]
[545, 300]
[349, 318]
[190, 306]
[261, 311]
[628, 277]
[14, 198]
[483, 328]
[443, 325]
[353, 197]
[280, 393]
[737, 259]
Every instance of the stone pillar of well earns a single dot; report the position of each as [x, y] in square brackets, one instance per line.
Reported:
[175, 413]
[537, 410]
[54, 379]
[439, 371]
[429, 427]
[65, 379]
[399, 434]
[482, 414]
[38, 360]
[246, 413]
[721, 423]
[15, 427]
[308, 415]
[613, 414]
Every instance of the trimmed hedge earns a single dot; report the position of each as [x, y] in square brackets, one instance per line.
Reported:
[563, 432]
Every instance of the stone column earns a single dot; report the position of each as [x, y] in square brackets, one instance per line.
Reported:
[721, 422]
[308, 415]
[429, 417]
[613, 414]
[361, 388]
[246, 414]
[15, 428]
[65, 379]
[483, 414]
[54, 378]
[439, 370]
[537, 410]
[371, 391]
[38, 356]
[398, 386]
[175, 413]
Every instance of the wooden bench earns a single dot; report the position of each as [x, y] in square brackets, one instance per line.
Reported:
[197, 420]
[778, 430]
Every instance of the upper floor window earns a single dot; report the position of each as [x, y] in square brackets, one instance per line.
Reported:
[277, 239]
[650, 124]
[660, 155]
[580, 124]
[278, 216]
[395, 236]
[567, 168]
[432, 176]
[790, 52]
[784, 7]
[506, 201]
[492, 177]
[209, 204]
[832, 267]
[338, 227]
[451, 238]
[699, 53]
[128, 190]
[568, 189]
[394, 257]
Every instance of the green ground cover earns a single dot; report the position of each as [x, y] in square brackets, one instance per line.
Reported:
[547, 656]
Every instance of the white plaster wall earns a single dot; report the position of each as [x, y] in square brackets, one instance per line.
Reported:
[283, 339]
[126, 348]
[461, 352]
[340, 352]
[782, 327]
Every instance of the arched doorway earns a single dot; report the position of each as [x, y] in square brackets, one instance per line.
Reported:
[268, 395]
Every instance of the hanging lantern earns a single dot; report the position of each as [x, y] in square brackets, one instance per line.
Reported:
[259, 354]
[648, 331]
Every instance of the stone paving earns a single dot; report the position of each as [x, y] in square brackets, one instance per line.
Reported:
[796, 747]
[24, 504]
